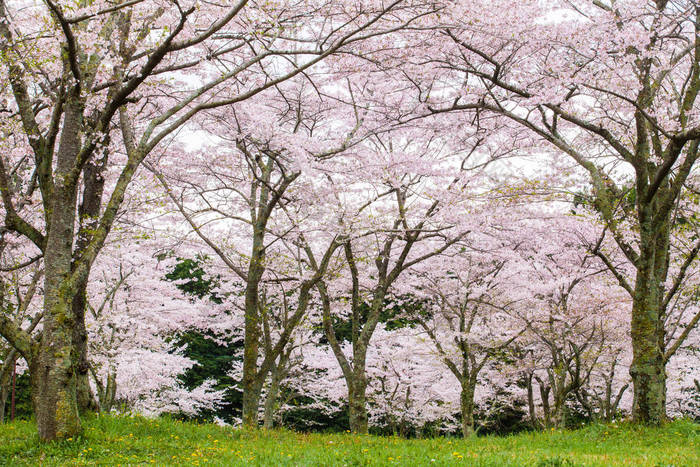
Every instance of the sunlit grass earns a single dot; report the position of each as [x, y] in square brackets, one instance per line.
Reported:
[110, 440]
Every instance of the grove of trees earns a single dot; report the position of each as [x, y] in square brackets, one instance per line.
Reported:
[407, 216]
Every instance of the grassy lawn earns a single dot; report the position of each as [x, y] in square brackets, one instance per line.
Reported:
[115, 441]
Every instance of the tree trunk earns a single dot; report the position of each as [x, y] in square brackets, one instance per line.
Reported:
[53, 366]
[6, 373]
[648, 370]
[466, 402]
[5, 384]
[86, 399]
[531, 403]
[271, 400]
[53, 376]
[559, 411]
[110, 392]
[252, 386]
[357, 409]
[88, 213]
[251, 403]
[251, 397]
[546, 410]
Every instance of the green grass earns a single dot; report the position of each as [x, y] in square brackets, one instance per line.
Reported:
[113, 441]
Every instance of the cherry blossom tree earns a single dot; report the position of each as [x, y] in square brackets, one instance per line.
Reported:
[234, 212]
[133, 317]
[613, 85]
[466, 320]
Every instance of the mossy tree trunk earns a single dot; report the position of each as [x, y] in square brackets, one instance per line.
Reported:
[648, 369]
[357, 403]
[53, 370]
[6, 373]
[466, 404]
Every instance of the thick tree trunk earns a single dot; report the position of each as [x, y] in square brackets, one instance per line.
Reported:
[466, 402]
[648, 370]
[251, 404]
[53, 375]
[53, 367]
[357, 409]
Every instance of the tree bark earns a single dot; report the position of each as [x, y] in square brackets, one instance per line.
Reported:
[251, 404]
[271, 400]
[531, 402]
[251, 350]
[86, 399]
[53, 367]
[648, 370]
[5, 384]
[357, 407]
[7, 371]
[466, 402]
[88, 212]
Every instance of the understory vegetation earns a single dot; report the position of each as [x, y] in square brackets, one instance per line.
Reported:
[121, 440]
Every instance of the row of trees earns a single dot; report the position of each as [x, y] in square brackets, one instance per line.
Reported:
[505, 328]
[341, 160]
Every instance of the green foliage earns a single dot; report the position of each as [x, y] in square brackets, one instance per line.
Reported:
[197, 286]
[395, 314]
[110, 440]
[214, 361]
[494, 417]
[214, 358]
[304, 419]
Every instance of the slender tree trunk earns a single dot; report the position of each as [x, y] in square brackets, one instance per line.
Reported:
[110, 391]
[252, 386]
[251, 343]
[531, 403]
[271, 400]
[88, 212]
[5, 384]
[86, 399]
